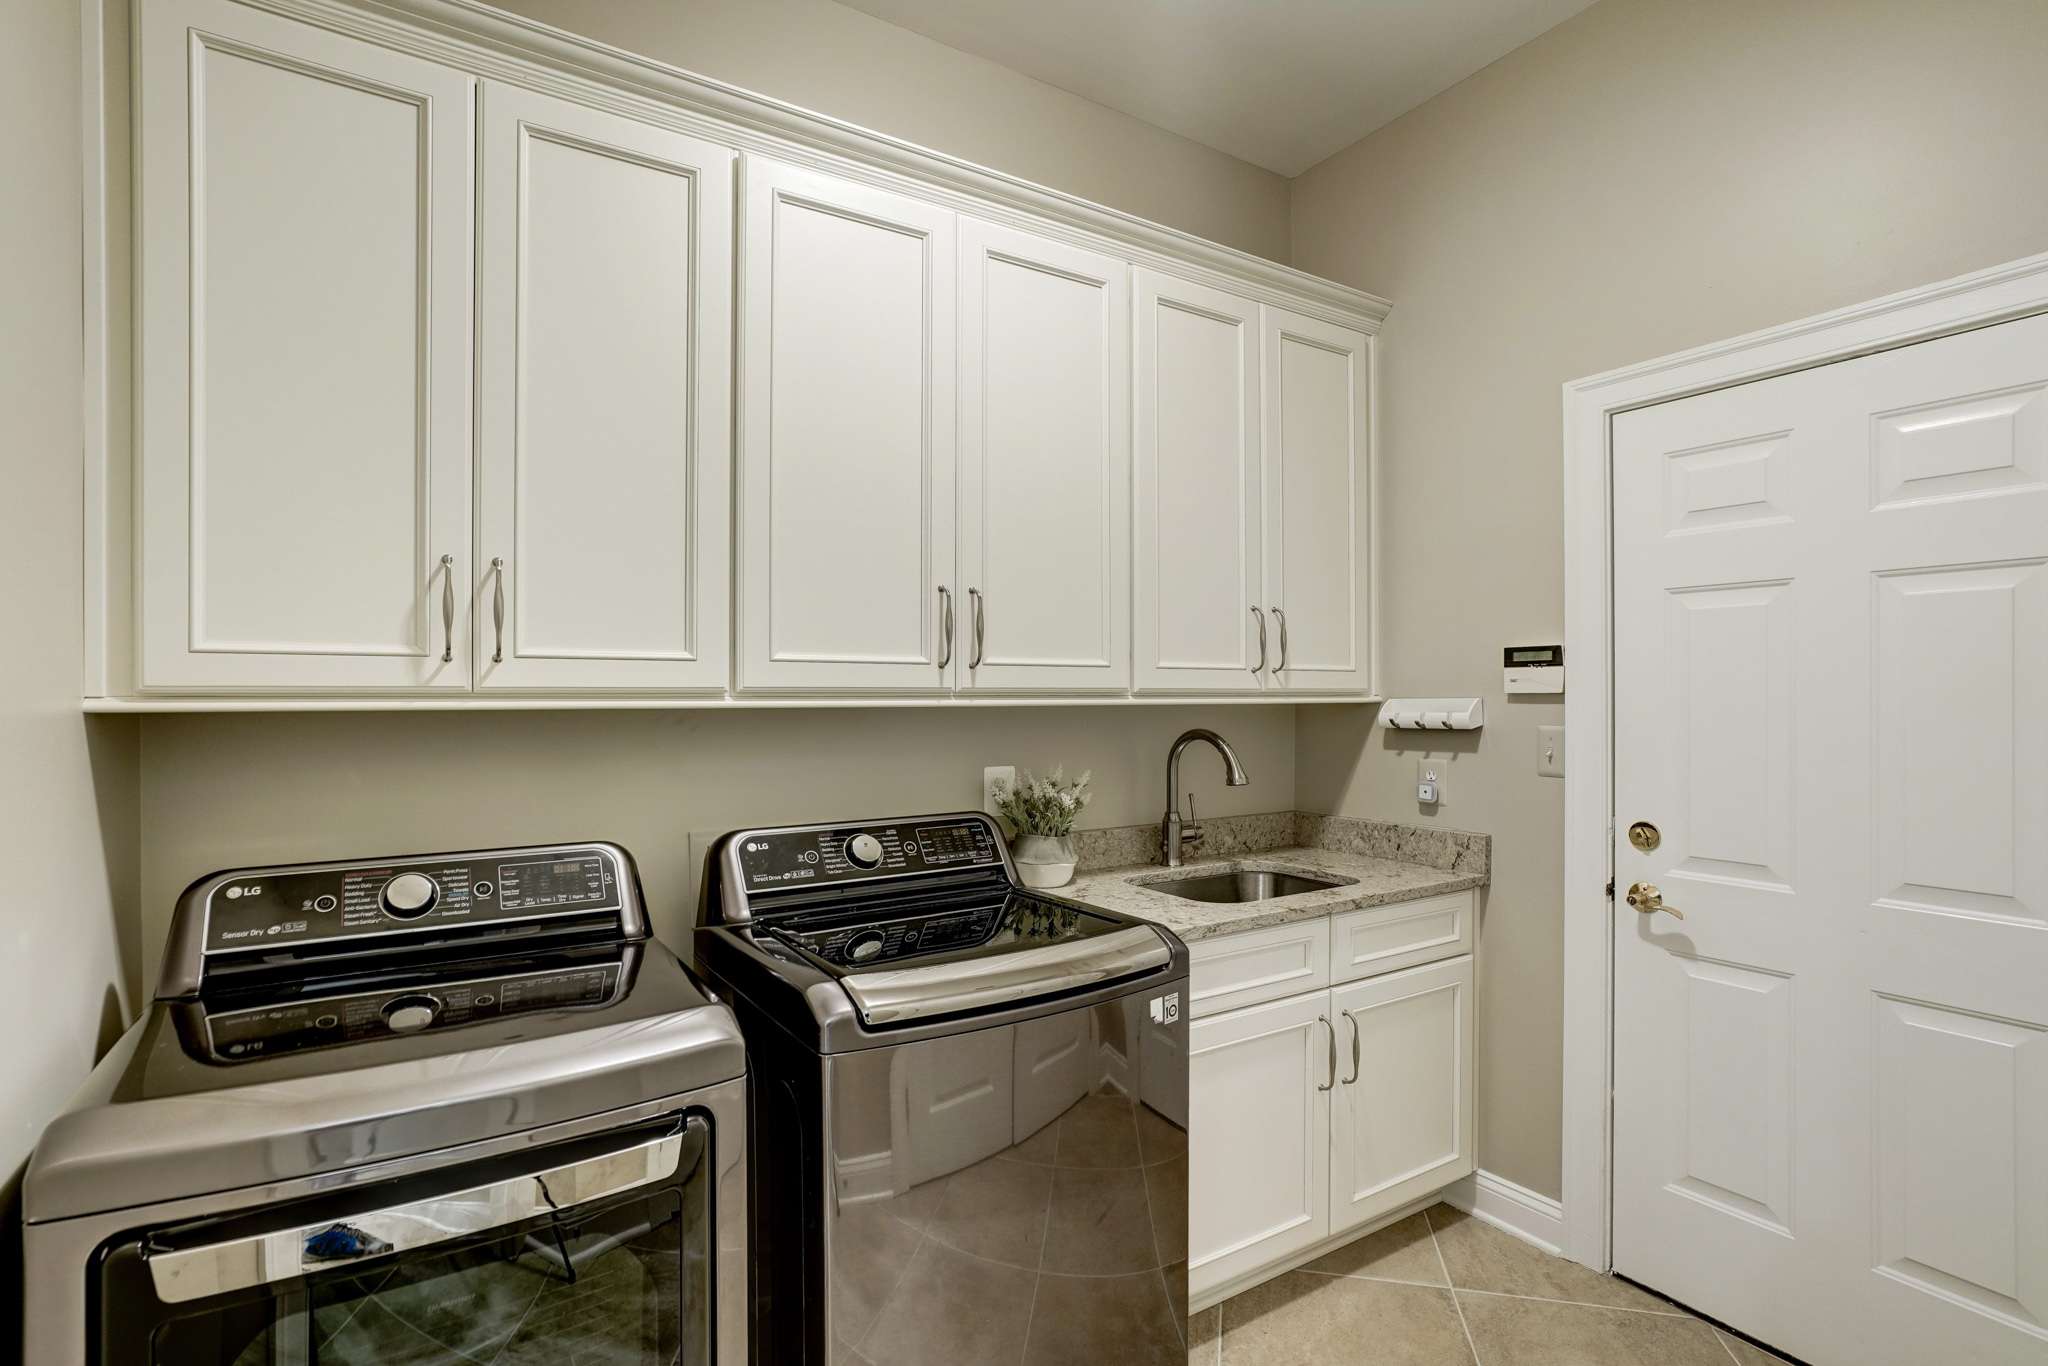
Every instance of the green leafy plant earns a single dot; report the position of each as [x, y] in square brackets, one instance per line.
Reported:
[1042, 806]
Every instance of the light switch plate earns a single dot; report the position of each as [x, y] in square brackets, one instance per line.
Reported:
[1001, 773]
[1550, 751]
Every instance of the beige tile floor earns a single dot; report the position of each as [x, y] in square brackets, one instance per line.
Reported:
[1441, 1288]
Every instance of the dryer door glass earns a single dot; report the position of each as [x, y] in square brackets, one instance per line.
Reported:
[600, 1255]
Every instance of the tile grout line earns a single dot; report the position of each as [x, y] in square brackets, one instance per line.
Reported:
[1445, 1265]
[1721, 1338]
[1586, 1304]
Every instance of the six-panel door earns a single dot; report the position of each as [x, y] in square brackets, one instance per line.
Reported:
[1317, 503]
[1401, 1118]
[1045, 465]
[304, 295]
[1197, 623]
[605, 368]
[846, 439]
[1258, 1136]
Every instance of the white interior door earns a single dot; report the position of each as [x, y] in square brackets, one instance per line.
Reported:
[1401, 1116]
[1831, 684]
[1045, 463]
[847, 439]
[1258, 1136]
[1195, 436]
[1317, 502]
[605, 367]
[303, 473]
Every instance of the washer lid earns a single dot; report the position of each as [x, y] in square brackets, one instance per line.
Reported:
[173, 1112]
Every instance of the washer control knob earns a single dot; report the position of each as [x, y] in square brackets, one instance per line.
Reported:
[404, 1014]
[864, 851]
[409, 896]
[863, 946]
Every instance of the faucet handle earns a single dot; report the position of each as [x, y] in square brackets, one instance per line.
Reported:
[1191, 830]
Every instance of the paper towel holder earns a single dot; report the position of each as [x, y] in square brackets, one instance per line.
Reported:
[1433, 713]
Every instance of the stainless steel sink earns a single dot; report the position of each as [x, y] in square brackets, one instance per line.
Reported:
[1242, 886]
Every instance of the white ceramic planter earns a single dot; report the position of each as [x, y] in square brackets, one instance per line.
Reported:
[1044, 861]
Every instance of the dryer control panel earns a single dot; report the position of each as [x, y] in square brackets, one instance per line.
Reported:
[335, 906]
[765, 863]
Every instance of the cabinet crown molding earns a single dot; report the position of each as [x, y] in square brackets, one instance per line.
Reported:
[492, 43]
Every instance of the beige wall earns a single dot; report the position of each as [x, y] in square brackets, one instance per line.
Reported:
[218, 791]
[67, 785]
[1653, 175]
[838, 61]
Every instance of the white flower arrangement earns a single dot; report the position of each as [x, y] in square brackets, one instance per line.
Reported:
[1042, 806]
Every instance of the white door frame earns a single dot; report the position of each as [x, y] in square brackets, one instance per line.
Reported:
[1988, 296]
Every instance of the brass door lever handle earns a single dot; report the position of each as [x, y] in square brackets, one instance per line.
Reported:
[1645, 897]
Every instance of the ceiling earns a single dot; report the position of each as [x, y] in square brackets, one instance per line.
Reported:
[1279, 83]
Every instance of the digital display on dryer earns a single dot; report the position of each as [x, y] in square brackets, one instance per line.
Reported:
[963, 843]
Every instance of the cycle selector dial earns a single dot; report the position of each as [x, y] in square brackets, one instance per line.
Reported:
[863, 851]
[409, 896]
[864, 946]
[404, 1014]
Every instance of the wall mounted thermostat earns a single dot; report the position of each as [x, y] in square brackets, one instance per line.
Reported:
[1532, 668]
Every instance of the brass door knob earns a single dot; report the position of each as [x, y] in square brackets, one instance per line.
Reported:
[1645, 897]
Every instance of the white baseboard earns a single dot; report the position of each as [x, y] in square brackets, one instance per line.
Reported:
[1511, 1208]
[869, 1176]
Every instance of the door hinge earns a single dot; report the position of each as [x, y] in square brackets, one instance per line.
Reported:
[1610, 889]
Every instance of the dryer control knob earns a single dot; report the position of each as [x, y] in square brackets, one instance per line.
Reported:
[407, 1013]
[409, 895]
[865, 945]
[864, 851]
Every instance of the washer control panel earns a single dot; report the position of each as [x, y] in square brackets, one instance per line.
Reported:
[769, 861]
[326, 902]
[294, 1026]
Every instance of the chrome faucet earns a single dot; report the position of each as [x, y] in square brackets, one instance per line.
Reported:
[1173, 835]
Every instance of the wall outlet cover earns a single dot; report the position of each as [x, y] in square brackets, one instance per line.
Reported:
[1429, 781]
[1550, 751]
[1003, 773]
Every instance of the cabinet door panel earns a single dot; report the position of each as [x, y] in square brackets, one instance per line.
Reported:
[1258, 1137]
[305, 296]
[846, 436]
[1045, 462]
[1195, 431]
[606, 371]
[1318, 488]
[1403, 1128]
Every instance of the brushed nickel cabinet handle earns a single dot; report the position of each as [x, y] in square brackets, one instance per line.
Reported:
[1260, 667]
[980, 625]
[1281, 617]
[498, 608]
[945, 626]
[1352, 1080]
[1325, 1021]
[448, 609]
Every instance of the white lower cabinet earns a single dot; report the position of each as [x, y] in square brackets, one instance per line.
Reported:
[1401, 1116]
[1258, 1123]
[1314, 1114]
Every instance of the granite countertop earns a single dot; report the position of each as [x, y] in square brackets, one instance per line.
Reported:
[1368, 881]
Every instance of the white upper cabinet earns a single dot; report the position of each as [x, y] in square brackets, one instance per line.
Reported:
[846, 437]
[303, 363]
[1317, 503]
[1045, 464]
[605, 375]
[1197, 526]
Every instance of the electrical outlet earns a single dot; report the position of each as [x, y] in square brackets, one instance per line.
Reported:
[1003, 773]
[1429, 781]
[1550, 751]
